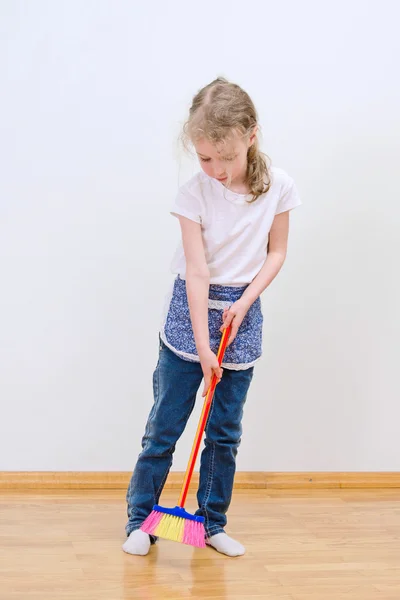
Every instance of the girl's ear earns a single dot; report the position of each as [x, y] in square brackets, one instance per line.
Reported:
[253, 136]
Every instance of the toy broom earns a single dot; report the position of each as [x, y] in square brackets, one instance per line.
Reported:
[177, 524]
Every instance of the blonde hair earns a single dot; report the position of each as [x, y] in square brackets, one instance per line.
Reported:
[219, 111]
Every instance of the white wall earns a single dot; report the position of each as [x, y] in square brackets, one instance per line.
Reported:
[92, 98]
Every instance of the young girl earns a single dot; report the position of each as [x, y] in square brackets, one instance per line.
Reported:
[234, 219]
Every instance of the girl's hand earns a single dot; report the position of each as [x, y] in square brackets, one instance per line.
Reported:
[234, 315]
[210, 365]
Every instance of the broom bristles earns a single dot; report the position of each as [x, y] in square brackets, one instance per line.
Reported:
[185, 529]
[194, 534]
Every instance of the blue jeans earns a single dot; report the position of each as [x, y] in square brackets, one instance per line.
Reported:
[175, 383]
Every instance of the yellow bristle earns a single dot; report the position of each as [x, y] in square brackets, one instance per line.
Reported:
[171, 528]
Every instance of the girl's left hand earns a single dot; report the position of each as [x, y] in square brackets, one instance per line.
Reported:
[234, 315]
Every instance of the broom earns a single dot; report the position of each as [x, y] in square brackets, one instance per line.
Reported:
[177, 524]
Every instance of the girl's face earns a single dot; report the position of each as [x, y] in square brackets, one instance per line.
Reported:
[226, 162]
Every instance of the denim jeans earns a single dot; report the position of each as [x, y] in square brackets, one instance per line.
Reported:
[175, 384]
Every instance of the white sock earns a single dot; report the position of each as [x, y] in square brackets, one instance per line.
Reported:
[138, 542]
[226, 545]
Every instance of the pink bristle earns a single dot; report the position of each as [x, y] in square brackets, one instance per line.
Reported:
[151, 523]
[194, 534]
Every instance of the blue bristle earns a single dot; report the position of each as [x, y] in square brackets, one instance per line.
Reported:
[178, 512]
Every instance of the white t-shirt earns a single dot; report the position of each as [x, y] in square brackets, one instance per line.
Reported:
[235, 232]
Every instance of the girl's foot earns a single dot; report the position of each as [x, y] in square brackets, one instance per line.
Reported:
[138, 543]
[226, 545]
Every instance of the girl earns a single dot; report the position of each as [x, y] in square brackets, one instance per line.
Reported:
[234, 219]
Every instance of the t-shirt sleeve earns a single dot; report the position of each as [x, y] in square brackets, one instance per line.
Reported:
[187, 205]
[289, 197]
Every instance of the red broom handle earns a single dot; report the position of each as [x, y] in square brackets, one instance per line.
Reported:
[203, 420]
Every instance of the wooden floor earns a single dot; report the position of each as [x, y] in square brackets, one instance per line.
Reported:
[301, 545]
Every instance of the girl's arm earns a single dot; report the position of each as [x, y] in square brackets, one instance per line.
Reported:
[277, 248]
[197, 287]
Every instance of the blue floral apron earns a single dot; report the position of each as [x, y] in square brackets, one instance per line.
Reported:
[177, 332]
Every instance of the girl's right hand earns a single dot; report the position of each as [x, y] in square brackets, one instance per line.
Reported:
[210, 365]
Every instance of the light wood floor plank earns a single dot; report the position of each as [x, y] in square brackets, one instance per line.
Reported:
[333, 544]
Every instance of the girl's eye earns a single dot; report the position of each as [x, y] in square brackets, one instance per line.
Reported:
[205, 159]
[230, 159]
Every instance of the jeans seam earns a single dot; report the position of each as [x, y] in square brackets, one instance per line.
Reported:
[167, 470]
[155, 404]
[210, 474]
[209, 483]
[163, 480]
[156, 401]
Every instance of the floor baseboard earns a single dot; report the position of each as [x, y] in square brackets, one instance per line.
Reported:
[20, 480]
